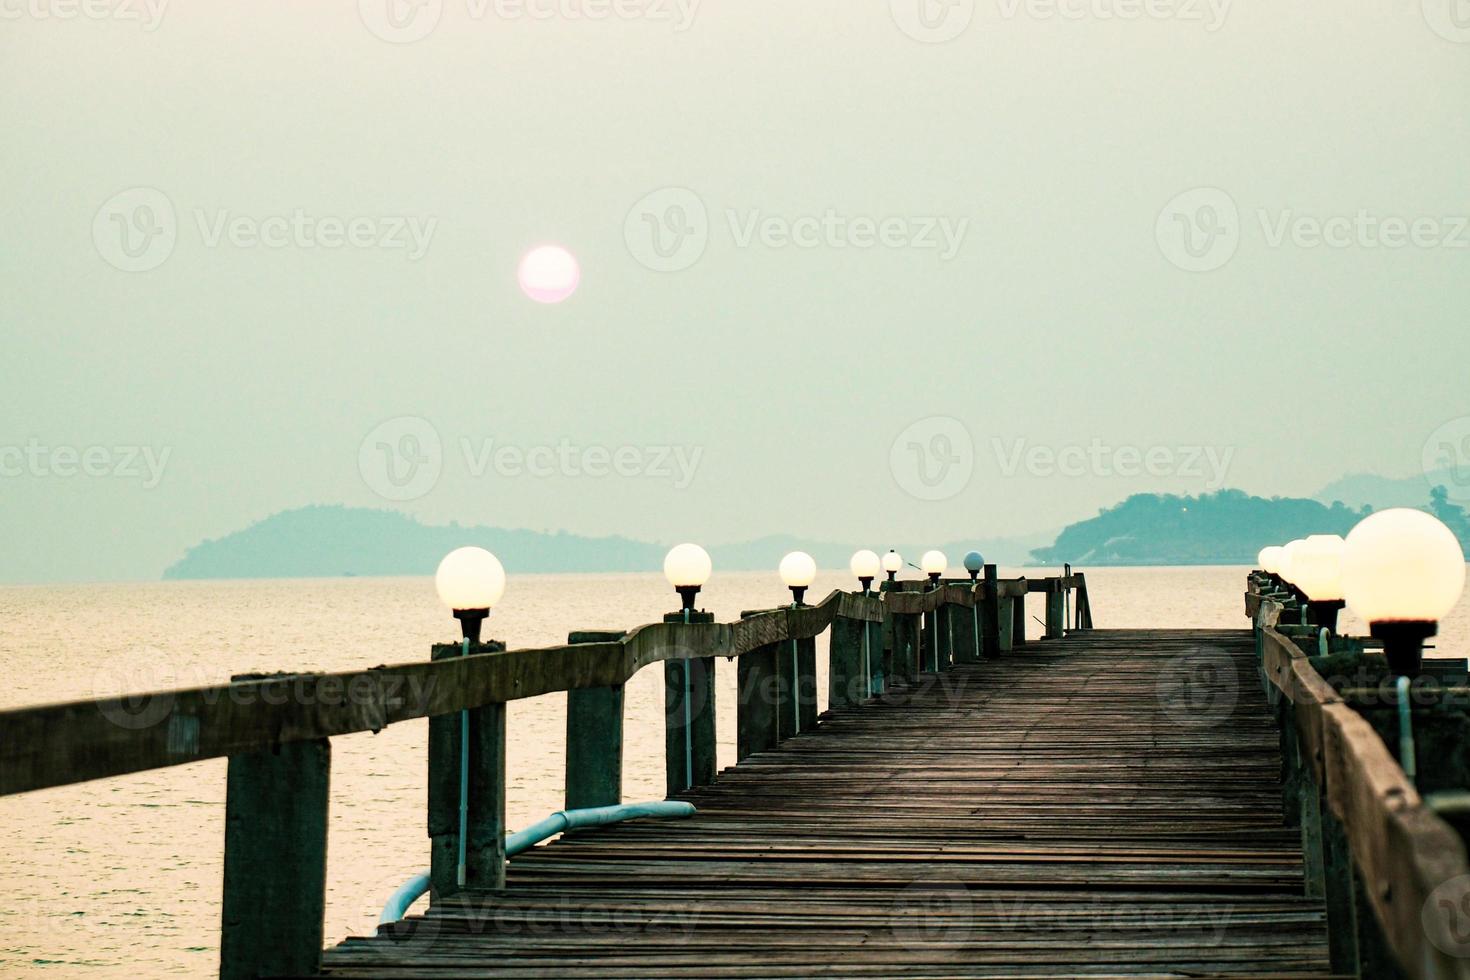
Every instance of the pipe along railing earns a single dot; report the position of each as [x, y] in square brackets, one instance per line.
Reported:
[276, 731]
[1392, 873]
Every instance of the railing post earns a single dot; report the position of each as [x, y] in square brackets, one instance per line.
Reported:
[275, 877]
[594, 737]
[1018, 611]
[964, 625]
[689, 716]
[759, 697]
[847, 671]
[906, 641]
[990, 621]
[469, 773]
[1056, 610]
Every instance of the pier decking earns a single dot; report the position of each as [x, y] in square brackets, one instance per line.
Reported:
[1106, 804]
[976, 802]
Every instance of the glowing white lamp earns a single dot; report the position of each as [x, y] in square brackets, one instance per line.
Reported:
[974, 564]
[687, 567]
[865, 567]
[797, 571]
[934, 564]
[1316, 567]
[470, 581]
[1288, 552]
[549, 274]
[1269, 560]
[892, 564]
[1402, 572]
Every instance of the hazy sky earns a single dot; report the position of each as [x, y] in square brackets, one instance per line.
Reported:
[849, 268]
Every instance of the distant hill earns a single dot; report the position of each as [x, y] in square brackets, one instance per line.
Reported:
[1225, 528]
[331, 541]
[1361, 490]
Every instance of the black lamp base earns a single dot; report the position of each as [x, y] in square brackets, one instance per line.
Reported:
[867, 583]
[1323, 613]
[933, 580]
[688, 593]
[798, 593]
[1403, 644]
[470, 621]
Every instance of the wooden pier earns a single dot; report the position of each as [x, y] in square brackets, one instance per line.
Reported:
[976, 802]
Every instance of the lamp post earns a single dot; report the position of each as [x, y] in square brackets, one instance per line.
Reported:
[1317, 570]
[798, 570]
[470, 581]
[892, 564]
[1402, 572]
[687, 567]
[865, 567]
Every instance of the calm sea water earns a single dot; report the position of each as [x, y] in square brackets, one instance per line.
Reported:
[122, 877]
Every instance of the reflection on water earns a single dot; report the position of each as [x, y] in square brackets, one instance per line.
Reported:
[122, 877]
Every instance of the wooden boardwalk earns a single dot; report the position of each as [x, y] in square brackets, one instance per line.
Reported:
[1105, 805]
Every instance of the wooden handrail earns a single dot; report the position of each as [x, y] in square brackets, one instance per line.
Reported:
[1413, 864]
[61, 744]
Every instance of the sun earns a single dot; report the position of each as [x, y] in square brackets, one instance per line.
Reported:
[549, 274]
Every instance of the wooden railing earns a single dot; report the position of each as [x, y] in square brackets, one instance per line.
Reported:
[276, 730]
[1393, 875]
